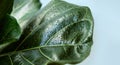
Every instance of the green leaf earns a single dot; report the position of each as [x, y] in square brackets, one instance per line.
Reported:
[60, 34]
[9, 31]
[5, 7]
[24, 10]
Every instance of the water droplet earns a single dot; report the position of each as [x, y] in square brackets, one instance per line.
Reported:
[75, 18]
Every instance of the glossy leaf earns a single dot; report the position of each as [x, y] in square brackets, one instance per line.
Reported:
[60, 34]
[24, 10]
[9, 31]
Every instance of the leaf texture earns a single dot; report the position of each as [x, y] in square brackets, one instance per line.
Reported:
[24, 10]
[61, 33]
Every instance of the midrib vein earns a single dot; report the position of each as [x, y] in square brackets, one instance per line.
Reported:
[20, 51]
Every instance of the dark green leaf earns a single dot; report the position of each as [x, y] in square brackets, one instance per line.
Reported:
[60, 34]
[24, 10]
[9, 31]
[5, 7]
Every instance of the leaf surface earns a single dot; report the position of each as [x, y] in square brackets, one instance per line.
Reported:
[24, 10]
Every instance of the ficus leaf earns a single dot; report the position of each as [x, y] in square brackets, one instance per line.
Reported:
[60, 34]
[9, 31]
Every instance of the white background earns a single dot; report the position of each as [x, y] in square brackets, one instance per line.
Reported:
[106, 47]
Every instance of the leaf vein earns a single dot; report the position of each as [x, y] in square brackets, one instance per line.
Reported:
[59, 31]
[27, 60]
[45, 55]
[10, 60]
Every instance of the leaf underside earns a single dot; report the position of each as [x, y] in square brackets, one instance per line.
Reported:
[61, 33]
